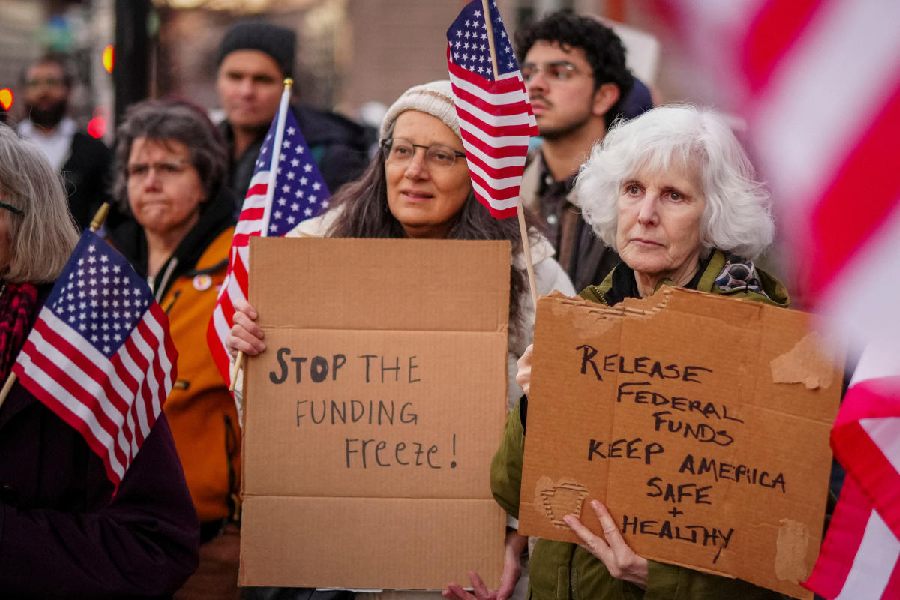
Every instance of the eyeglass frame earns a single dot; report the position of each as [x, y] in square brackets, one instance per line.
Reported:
[13, 209]
[51, 82]
[167, 167]
[387, 143]
[552, 69]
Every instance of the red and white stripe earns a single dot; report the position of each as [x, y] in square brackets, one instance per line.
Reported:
[819, 84]
[236, 285]
[113, 402]
[859, 558]
[496, 122]
[253, 221]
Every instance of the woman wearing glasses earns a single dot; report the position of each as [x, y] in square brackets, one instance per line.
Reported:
[66, 531]
[169, 168]
[418, 186]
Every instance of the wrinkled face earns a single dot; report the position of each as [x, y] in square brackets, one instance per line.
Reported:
[560, 85]
[249, 85]
[423, 195]
[164, 188]
[46, 94]
[658, 232]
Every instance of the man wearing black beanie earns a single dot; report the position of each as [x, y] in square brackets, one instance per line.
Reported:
[254, 58]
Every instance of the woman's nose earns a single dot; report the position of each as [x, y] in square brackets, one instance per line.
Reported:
[647, 213]
[417, 168]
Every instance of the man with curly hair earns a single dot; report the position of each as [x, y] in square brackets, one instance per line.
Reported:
[574, 69]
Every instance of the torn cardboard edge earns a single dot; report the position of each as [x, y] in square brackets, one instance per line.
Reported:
[570, 493]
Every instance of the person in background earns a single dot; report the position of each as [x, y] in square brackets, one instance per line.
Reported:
[577, 79]
[85, 162]
[169, 172]
[673, 192]
[66, 531]
[253, 60]
[419, 186]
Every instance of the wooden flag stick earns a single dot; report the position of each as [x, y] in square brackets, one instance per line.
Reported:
[235, 369]
[520, 210]
[100, 217]
[6, 387]
[96, 222]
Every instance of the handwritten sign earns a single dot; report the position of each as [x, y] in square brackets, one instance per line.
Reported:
[701, 421]
[372, 417]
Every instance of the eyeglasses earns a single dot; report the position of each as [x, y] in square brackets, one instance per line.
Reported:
[13, 209]
[51, 82]
[399, 151]
[557, 70]
[164, 170]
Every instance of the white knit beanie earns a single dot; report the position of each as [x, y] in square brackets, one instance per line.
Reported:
[435, 99]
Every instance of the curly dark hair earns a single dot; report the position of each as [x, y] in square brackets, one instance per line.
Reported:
[363, 213]
[602, 47]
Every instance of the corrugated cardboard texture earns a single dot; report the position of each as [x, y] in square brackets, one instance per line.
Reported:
[371, 419]
[681, 379]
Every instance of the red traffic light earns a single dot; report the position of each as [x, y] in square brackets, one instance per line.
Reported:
[6, 98]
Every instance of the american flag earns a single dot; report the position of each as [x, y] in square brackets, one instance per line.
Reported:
[100, 355]
[495, 116]
[286, 188]
[819, 84]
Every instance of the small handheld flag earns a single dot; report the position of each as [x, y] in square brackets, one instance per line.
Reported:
[100, 355]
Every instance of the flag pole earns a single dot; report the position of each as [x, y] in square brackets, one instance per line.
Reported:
[96, 223]
[520, 209]
[270, 192]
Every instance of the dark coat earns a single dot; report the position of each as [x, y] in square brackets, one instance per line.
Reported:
[87, 172]
[338, 145]
[63, 534]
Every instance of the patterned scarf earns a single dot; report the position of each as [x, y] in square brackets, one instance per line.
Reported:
[18, 307]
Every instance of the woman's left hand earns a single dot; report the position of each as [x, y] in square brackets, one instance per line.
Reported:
[620, 560]
[512, 570]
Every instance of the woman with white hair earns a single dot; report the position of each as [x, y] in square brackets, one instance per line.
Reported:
[67, 531]
[674, 193]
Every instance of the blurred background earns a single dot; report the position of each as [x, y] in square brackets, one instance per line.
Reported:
[353, 55]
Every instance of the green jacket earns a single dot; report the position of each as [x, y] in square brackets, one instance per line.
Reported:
[565, 571]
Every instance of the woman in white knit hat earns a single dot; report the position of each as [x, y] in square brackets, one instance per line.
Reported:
[418, 186]
[410, 193]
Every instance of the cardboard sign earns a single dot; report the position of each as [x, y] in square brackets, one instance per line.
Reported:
[373, 414]
[701, 421]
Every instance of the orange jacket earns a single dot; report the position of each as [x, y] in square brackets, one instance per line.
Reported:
[200, 410]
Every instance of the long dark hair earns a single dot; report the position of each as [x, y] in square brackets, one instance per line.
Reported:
[364, 213]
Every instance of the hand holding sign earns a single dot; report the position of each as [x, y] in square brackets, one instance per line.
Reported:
[620, 560]
[523, 375]
[246, 335]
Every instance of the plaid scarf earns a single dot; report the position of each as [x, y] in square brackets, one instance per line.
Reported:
[18, 308]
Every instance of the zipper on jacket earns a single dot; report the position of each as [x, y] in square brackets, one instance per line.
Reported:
[175, 297]
[164, 280]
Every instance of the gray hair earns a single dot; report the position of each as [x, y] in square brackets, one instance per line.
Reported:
[42, 238]
[737, 217]
[171, 120]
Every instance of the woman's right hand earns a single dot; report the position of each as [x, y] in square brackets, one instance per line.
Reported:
[523, 375]
[245, 335]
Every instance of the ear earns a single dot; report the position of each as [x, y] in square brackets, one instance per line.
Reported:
[605, 96]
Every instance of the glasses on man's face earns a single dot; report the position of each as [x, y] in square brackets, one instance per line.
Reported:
[163, 169]
[50, 82]
[400, 151]
[557, 70]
